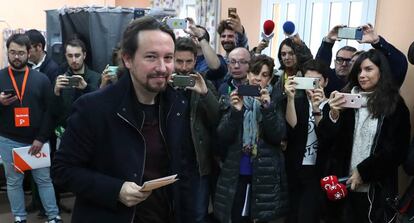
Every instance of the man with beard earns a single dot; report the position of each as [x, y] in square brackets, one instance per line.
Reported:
[338, 77]
[201, 122]
[232, 34]
[238, 66]
[25, 121]
[76, 81]
[125, 134]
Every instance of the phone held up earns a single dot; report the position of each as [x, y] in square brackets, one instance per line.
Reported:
[176, 23]
[351, 100]
[249, 90]
[353, 33]
[232, 11]
[306, 83]
[183, 81]
[73, 81]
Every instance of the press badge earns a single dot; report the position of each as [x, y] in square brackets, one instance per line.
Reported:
[21, 117]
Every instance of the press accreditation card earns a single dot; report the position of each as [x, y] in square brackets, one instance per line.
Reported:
[21, 117]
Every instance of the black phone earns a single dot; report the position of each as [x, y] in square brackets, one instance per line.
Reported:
[231, 11]
[12, 92]
[183, 81]
[249, 90]
[73, 81]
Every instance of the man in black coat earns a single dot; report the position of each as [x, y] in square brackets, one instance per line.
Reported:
[125, 134]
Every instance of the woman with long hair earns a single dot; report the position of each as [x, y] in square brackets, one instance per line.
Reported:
[368, 143]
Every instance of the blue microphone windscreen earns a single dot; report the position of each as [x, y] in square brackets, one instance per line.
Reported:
[288, 27]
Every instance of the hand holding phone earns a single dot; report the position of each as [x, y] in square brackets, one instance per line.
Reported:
[7, 97]
[74, 81]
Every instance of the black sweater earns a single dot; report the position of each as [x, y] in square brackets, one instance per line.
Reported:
[37, 97]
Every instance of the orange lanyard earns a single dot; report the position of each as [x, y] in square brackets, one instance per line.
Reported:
[19, 95]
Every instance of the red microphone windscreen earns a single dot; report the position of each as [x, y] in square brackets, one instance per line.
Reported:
[336, 192]
[328, 181]
[268, 27]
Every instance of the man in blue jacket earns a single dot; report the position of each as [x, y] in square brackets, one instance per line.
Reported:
[125, 134]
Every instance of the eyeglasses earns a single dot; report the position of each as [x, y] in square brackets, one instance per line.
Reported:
[18, 53]
[240, 62]
[341, 60]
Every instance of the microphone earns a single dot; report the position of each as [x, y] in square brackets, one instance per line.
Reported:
[334, 187]
[336, 192]
[268, 27]
[289, 28]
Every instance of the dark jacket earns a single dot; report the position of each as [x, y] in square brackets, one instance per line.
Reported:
[204, 118]
[397, 60]
[269, 198]
[380, 169]
[37, 98]
[62, 104]
[103, 147]
[50, 68]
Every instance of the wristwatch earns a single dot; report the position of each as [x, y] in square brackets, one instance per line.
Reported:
[204, 36]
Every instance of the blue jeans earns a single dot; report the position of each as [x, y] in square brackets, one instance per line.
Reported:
[15, 183]
[194, 196]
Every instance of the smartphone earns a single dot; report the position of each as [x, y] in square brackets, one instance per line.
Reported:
[351, 100]
[12, 92]
[354, 33]
[182, 81]
[73, 81]
[112, 70]
[304, 83]
[232, 11]
[175, 23]
[249, 90]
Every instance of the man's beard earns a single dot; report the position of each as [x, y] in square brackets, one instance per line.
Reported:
[156, 89]
[18, 64]
[228, 46]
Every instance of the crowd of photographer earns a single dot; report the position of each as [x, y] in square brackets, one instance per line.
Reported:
[250, 141]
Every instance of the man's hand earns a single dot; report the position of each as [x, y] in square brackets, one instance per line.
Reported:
[263, 44]
[369, 34]
[200, 84]
[235, 23]
[61, 82]
[35, 148]
[333, 33]
[355, 180]
[7, 99]
[193, 30]
[82, 83]
[130, 194]
[236, 101]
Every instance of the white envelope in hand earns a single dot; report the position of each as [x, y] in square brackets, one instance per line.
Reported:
[157, 183]
[24, 161]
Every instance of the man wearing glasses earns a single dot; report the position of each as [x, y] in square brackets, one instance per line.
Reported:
[238, 66]
[343, 65]
[25, 121]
